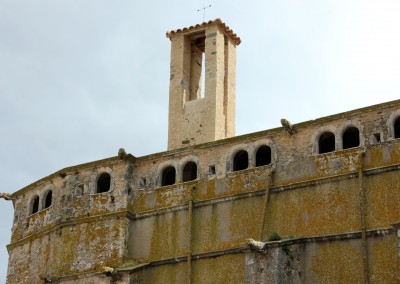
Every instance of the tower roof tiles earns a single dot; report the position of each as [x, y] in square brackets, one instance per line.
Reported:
[226, 29]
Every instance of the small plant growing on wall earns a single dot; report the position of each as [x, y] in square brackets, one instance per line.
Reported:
[274, 237]
[287, 251]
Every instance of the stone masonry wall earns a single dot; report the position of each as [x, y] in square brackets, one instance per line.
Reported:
[80, 231]
[157, 228]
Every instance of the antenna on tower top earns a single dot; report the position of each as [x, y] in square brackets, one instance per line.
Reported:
[204, 11]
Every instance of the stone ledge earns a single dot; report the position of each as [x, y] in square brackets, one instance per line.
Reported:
[324, 238]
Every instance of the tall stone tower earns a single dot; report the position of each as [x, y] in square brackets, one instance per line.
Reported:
[195, 115]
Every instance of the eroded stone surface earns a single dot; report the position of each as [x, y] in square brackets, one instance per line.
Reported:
[146, 232]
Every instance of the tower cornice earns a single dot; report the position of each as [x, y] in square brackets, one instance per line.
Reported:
[193, 29]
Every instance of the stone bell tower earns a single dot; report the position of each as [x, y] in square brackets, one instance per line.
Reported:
[202, 56]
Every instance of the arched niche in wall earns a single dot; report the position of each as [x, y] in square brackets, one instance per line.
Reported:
[351, 137]
[240, 161]
[34, 205]
[396, 128]
[393, 125]
[189, 172]
[103, 183]
[263, 156]
[168, 176]
[326, 142]
[48, 199]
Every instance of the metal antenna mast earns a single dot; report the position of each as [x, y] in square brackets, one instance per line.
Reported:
[204, 11]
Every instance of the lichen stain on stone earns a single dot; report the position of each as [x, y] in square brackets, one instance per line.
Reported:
[310, 195]
[337, 262]
[337, 162]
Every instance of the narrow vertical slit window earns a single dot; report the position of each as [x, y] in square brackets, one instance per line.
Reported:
[203, 75]
[79, 190]
[377, 138]
[211, 170]
[142, 182]
[197, 67]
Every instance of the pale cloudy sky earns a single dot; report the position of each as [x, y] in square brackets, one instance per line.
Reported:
[80, 79]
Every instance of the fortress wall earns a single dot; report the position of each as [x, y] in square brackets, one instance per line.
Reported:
[69, 237]
[72, 249]
[311, 195]
[169, 273]
[222, 269]
[225, 222]
[159, 237]
[321, 198]
[325, 261]
[317, 195]
[383, 200]
[73, 197]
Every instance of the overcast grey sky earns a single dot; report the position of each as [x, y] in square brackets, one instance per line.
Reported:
[80, 79]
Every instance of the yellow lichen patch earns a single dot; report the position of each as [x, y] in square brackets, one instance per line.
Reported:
[204, 229]
[336, 163]
[168, 237]
[88, 246]
[37, 221]
[247, 181]
[99, 204]
[174, 196]
[223, 269]
[169, 273]
[208, 188]
[383, 155]
[162, 197]
[314, 210]
[318, 166]
[226, 225]
[335, 262]
[382, 200]
[384, 260]
[245, 222]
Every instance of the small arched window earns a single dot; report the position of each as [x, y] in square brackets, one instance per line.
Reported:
[103, 183]
[48, 199]
[351, 138]
[189, 172]
[240, 161]
[326, 143]
[396, 127]
[168, 176]
[263, 156]
[35, 205]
